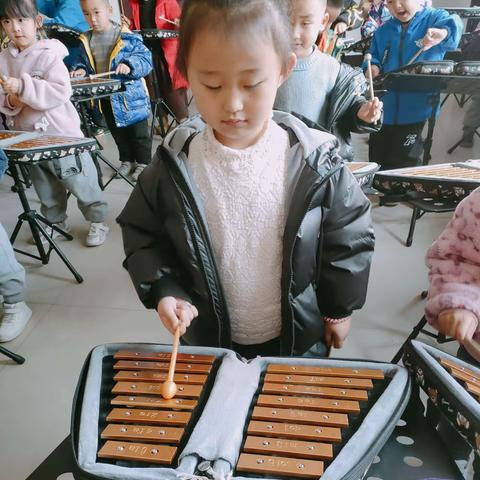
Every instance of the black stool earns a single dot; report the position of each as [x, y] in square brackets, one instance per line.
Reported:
[427, 204]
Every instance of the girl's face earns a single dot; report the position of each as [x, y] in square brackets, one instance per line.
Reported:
[234, 81]
[22, 31]
[403, 10]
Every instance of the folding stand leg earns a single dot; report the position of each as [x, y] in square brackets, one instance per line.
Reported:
[16, 358]
[414, 334]
[417, 213]
[454, 147]
[36, 223]
[427, 147]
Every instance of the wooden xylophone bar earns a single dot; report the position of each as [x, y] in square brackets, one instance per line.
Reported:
[463, 374]
[143, 427]
[298, 418]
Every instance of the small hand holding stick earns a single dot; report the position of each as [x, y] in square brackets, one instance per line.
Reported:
[161, 17]
[169, 388]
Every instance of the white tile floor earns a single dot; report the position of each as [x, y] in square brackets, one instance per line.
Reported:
[69, 319]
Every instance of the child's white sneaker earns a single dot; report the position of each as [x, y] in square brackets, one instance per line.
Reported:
[125, 169]
[97, 234]
[138, 170]
[15, 318]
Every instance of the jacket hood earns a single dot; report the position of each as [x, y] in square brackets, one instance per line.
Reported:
[310, 139]
[50, 45]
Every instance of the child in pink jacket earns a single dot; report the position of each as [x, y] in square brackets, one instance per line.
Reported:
[453, 304]
[35, 96]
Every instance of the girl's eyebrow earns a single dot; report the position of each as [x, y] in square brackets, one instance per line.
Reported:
[213, 72]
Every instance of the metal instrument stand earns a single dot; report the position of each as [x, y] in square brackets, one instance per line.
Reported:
[79, 101]
[37, 225]
[8, 353]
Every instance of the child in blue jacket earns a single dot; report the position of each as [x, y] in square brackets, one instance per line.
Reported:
[108, 47]
[399, 143]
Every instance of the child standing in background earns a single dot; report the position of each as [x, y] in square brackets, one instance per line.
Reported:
[248, 232]
[110, 47]
[36, 97]
[399, 143]
[322, 89]
[163, 15]
[453, 302]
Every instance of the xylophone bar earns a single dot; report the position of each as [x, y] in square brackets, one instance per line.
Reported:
[187, 378]
[149, 417]
[326, 392]
[154, 402]
[295, 431]
[163, 357]
[138, 452]
[309, 403]
[326, 371]
[138, 433]
[145, 388]
[320, 381]
[161, 366]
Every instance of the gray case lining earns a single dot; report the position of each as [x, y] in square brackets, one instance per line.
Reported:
[218, 434]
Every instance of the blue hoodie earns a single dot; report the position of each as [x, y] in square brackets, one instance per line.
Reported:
[3, 163]
[392, 47]
[65, 12]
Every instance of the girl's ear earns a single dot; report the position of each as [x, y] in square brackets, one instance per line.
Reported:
[39, 21]
[289, 66]
[324, 23]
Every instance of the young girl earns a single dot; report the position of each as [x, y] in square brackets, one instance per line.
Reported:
[247, 229]
[453, 304]
[36, 97]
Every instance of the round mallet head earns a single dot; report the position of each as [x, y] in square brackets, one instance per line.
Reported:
[169, 389]
[368, 57]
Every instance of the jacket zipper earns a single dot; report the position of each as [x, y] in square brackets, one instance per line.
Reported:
[310, 196]
[400, 62]
[219, 306]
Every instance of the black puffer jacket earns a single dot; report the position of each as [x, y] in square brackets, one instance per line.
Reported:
[328, 240]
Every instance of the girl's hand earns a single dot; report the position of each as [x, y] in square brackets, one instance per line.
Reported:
[81, 72]
[457, 323]
[433, 37]
[14, 101]
[174, 312]
[371, 111]
[123, 69]
[126, 22]
[340, 27]
[10, 85]
[336, 333]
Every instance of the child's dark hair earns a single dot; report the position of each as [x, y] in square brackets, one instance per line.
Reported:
[18, 9]
[267, 18]
[337, 4]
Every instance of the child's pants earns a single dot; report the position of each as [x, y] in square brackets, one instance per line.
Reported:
[12, 274]
[52, 191]
[472, 116]
[397, 146]
[134, 142]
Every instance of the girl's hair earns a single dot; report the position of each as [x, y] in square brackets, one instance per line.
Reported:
[18, 9]
[268, 18]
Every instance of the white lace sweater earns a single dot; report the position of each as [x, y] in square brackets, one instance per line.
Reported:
[244, 195]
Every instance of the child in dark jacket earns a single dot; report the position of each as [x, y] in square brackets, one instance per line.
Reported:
[399, 143]
[107, 47]
[248, 232]
[322, 89]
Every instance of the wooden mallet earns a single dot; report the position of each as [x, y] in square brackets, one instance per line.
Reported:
[368, 59]
[169, 388]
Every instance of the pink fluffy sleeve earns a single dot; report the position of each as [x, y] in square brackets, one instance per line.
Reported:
[454, 263]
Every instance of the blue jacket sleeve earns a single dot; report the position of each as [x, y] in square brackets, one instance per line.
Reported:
[453, 25]
[3, 163]
[374, 52]
[69, 13]
[139, 59]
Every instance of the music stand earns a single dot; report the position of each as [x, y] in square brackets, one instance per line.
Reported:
[79, 101]
[436, 84]
[37, 225]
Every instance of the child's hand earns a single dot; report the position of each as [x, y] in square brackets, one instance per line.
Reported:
[14, 101]
[10, 85]
[336, 333]
[371, 111]
[123, 69]
[81, 72]
[340, 27]
[174, 312]
[365, 6]
[126, 22]
[433, 37]
[457, 323]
